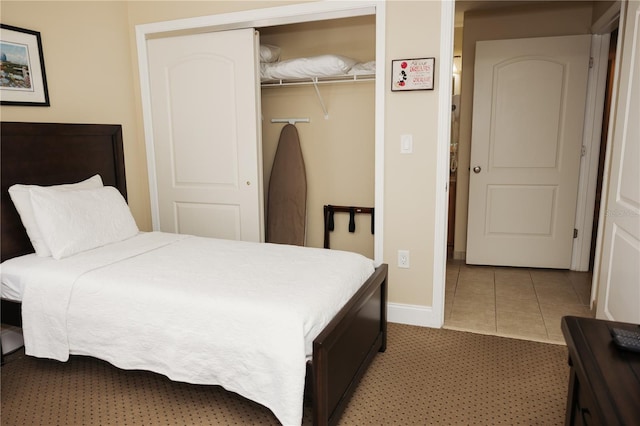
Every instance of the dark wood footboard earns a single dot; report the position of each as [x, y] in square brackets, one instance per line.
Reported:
[345, 348]
[341, 352]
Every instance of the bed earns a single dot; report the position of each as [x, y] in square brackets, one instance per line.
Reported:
[52, 154]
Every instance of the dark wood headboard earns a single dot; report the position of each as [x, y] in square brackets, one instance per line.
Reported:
[52, 154]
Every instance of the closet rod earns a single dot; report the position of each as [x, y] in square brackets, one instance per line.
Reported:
[290, 120]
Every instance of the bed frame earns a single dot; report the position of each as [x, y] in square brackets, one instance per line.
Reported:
[50, 154]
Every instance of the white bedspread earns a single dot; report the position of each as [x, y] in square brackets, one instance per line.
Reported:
[198, 310]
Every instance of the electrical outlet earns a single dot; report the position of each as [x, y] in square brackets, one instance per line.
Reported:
[403, 259]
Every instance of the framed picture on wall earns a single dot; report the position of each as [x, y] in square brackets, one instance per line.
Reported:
[22, 77]
[412, 74]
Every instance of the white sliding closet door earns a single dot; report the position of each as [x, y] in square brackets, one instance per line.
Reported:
[205, 102]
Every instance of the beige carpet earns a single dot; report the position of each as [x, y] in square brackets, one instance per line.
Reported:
[426, 377]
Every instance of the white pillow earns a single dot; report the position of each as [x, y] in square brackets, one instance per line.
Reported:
[316, 66]
[363, 68]
[269, 53]
[74, 221]
[22, 200]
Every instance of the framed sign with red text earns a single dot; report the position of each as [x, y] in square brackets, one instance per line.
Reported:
[412, 74]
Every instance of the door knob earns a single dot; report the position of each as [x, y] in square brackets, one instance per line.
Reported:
[476, 169]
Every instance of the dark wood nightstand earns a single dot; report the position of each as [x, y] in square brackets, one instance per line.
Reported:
[604, 382]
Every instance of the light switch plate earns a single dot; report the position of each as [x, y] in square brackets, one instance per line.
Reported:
[406, 144]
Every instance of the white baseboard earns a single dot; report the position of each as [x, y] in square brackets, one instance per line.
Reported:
[423, 316]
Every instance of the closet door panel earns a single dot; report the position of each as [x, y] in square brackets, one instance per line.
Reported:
[194, 99]
[205, 104]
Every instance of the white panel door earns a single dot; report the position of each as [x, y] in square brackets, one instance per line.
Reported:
[619, 273]
[205, 101]
[528, 115]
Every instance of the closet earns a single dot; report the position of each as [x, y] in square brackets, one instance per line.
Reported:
[337, 136]
[338, 148]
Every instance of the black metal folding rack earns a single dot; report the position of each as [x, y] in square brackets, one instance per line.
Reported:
[329, 210]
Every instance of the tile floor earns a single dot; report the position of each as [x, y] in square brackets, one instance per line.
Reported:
[514, 302]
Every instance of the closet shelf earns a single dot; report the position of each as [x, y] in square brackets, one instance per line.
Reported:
[319, 80]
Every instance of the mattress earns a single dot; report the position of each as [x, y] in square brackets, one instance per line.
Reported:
[199, 310]
[12, 272]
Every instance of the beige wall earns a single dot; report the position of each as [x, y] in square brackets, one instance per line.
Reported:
[517, 22]
[90, 57]
[413, 30]
[89, 74]
[147, 11]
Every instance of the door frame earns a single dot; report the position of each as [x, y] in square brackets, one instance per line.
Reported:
[592, 131]
[257, 18]
[587, 188]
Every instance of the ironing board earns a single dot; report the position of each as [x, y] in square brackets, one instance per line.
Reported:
[287, 198]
